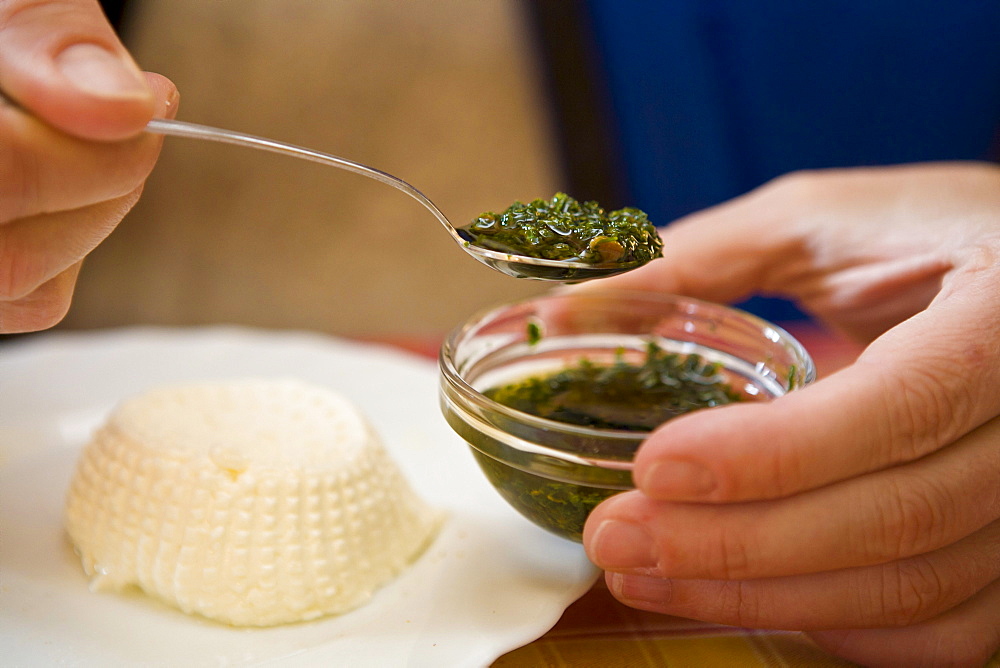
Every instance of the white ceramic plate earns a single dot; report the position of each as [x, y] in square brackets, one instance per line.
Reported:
[491, 581]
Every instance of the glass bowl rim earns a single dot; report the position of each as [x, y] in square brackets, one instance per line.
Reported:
[451, 375]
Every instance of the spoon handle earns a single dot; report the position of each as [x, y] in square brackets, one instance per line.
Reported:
[176, 128]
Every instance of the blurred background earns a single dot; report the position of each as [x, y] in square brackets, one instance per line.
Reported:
[669, 107]
[446, 95]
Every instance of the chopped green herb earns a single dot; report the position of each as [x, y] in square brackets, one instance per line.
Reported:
[560, 507]
[622, 395]
[619, 395]
[534, 333]
[565, 229]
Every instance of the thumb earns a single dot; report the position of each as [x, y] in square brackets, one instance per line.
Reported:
[61, 60]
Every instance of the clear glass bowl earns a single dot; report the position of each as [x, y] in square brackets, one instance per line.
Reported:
[555, 473]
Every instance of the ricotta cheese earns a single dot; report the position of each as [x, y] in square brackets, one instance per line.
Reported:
[253, 503]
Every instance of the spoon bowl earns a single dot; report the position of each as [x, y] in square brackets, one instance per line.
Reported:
[541, 269]
[518, 266]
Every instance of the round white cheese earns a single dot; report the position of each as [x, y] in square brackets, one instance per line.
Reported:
[253, 503]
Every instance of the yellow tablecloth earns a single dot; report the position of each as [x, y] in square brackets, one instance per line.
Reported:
[599, 632]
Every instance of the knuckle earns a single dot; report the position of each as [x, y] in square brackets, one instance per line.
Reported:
[979, 262]
[912, 591]
[928, 407]
[784, 468]
[912, 517]
[731, 556]
[743, 606]
[801, 185]
[788, 468]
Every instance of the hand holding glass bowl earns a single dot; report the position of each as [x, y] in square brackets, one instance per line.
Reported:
[554, 472]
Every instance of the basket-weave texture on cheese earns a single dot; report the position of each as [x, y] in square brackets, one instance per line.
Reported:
[253, 502]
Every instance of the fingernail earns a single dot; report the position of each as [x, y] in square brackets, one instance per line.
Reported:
[101, 73]
[171, 103]
[677, 480]
[618, 545]
[640, 588]
[173, 99]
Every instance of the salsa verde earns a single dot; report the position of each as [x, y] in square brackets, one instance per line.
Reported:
[621, 395]
[563, 228]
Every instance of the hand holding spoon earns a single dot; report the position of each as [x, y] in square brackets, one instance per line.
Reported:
[505, 261]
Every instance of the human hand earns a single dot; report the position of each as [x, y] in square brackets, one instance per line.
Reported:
[865, 508]
[73, 157]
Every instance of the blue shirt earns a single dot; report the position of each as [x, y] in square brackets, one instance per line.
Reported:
[712, 98]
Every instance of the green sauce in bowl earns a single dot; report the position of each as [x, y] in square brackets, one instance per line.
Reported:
[554, 395]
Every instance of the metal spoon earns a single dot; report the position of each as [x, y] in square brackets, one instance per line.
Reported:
[518, 266]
